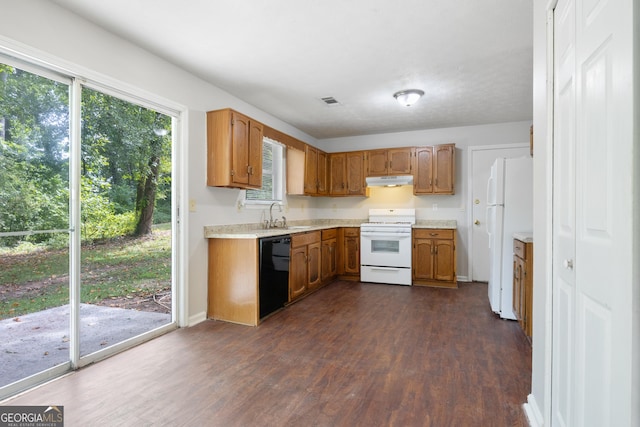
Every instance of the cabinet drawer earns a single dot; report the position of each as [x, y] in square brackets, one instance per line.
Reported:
[329, 234]
[301, 239]
[519, 248]
[352, 231]
[424, 233]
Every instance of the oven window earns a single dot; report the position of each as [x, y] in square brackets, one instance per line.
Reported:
[385, 246]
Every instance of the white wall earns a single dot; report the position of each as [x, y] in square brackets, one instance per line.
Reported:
[427, 207]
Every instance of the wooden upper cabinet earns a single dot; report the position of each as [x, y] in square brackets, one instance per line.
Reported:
[434, 170]
[295, 171]
[423, 171]
[444, 169]
[393, 161]
[311, 170]
[346, 174]
[356, 185]
[377, 163]
[337, 174]
[323, 176]
[234, 150]
[399, 161]
[315, 172]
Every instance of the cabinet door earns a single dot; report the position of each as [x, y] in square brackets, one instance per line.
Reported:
[352, 254]
[337, 178]
[355, 173]
[423, 259]
[311, 171]
[444, 267]
[323, 163]
[295, 171]
[377, 163]
[313, 269]
[399, 161]
[423, 171]
[443, 169]
[518, 294]
[298, 272]
[239, 148]
[329, 263]
[254, 155]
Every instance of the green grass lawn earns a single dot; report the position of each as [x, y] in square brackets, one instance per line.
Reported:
[124, 267]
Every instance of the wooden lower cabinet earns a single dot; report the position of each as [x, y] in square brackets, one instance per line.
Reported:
[434, 258]
[349, 253]
[305, 264]
[329, 256]
[233, 280]
[523, 284]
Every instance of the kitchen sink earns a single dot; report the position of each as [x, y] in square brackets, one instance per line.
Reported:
[298, 227]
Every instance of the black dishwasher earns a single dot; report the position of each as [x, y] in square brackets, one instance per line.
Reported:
[274, 273]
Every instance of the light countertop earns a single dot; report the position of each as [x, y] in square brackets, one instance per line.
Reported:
[524, 236]
[256, 231]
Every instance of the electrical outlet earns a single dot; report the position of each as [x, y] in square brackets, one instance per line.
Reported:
[192, 205]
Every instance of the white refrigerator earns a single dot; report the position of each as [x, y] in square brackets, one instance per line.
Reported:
[509, 210]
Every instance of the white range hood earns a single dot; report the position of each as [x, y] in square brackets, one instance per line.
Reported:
[389, 181]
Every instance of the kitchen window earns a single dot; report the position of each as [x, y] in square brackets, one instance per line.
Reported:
[272, 175]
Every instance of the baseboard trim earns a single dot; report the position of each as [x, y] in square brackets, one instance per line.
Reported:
[197, 318]
[532, 411]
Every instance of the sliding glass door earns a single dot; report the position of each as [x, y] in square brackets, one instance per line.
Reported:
[86, 224]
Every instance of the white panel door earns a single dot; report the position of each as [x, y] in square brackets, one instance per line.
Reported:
[563, 214]
[593, 214]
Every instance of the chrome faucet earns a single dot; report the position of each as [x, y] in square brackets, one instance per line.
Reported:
[273, 223]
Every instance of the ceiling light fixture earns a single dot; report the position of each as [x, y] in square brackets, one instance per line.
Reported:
[408, 97]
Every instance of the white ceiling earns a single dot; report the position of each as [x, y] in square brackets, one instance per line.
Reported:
[472, 58]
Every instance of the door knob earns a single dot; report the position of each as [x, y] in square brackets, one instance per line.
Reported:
[568, 264]
[476, 222]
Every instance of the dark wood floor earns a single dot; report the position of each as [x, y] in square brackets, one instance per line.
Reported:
[349, 355]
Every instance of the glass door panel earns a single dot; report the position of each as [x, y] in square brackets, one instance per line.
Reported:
[126, 257]
[34, 223]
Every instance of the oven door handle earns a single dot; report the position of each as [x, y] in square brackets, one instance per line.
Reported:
[375, 234]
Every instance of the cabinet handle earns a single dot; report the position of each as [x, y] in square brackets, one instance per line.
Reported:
[568, 264]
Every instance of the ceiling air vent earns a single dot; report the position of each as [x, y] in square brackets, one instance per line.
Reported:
[330, 101]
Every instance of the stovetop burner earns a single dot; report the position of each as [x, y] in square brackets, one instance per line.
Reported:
[392, 217]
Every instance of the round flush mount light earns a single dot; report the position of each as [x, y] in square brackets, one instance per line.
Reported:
[408, 97]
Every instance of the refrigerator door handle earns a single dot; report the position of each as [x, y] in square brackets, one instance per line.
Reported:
[490, 221]
[491, 198]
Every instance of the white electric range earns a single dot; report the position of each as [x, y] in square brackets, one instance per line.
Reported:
[385, 246]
